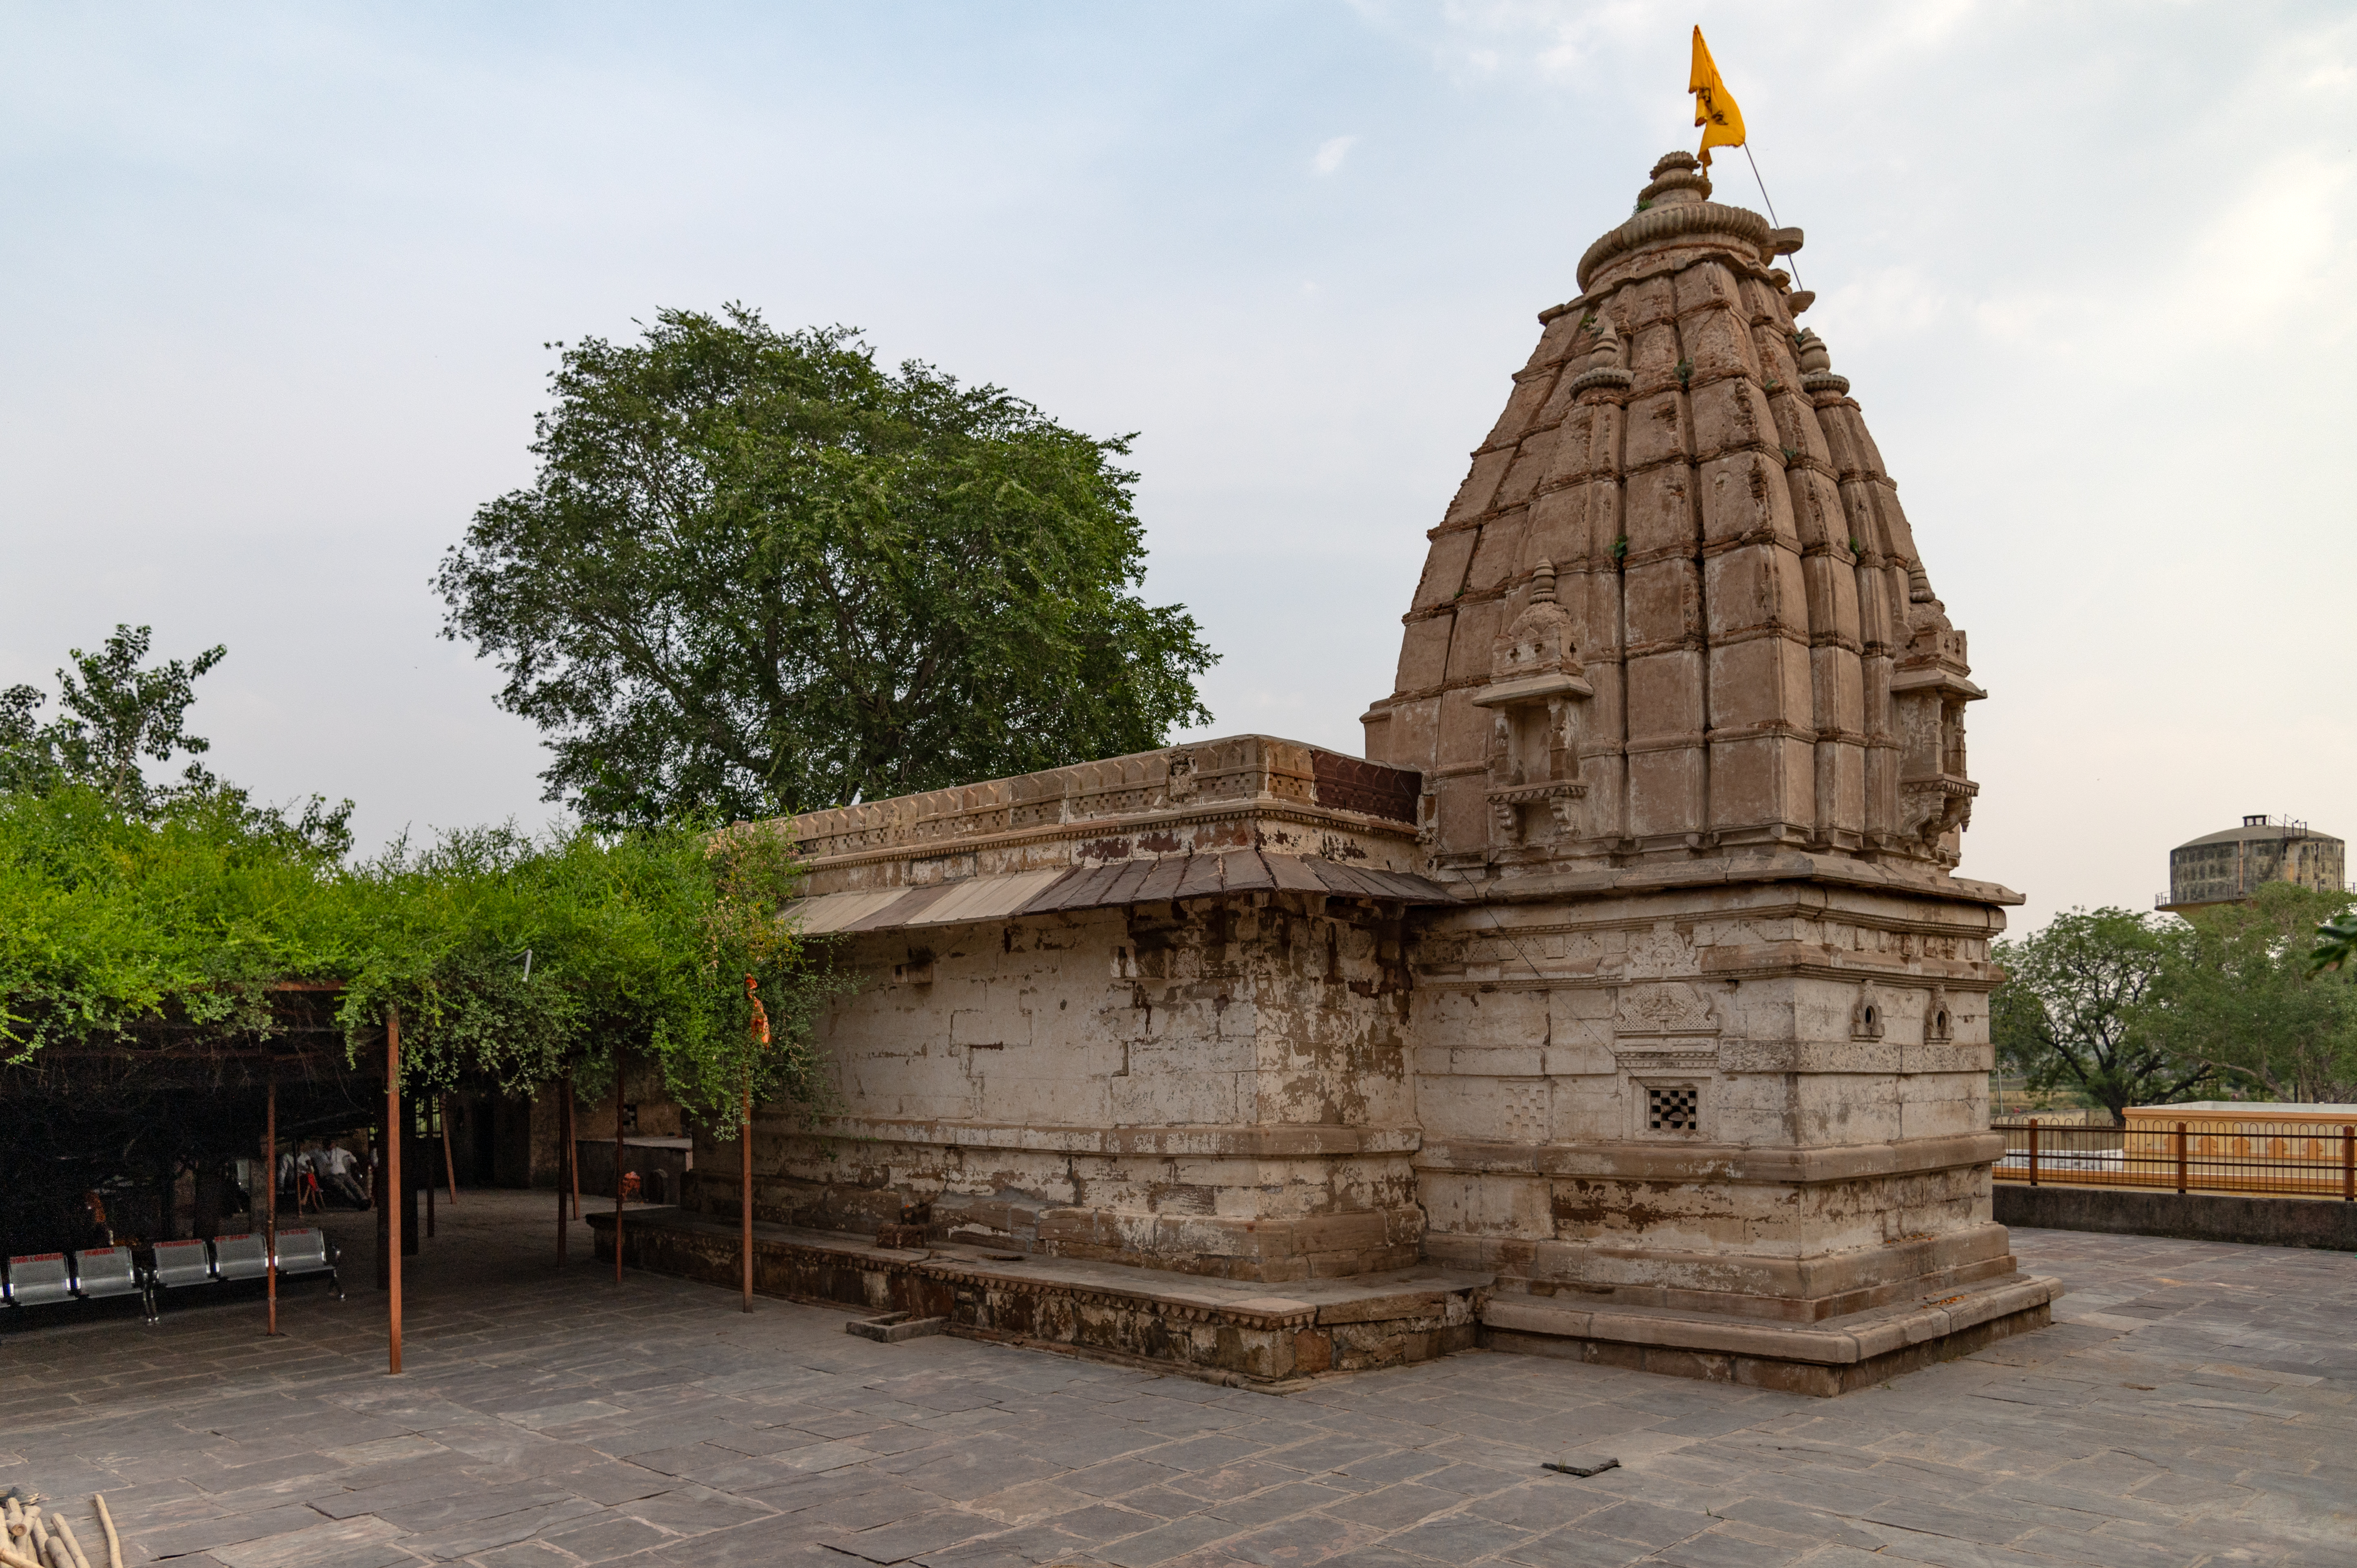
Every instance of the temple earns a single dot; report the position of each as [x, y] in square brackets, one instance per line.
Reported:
[1623, 1003]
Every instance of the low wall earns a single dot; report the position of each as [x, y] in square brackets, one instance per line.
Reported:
[2189, 1217]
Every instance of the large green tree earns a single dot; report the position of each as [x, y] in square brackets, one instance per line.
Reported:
[2074, 1010]
[758, 572]
[2243, 996]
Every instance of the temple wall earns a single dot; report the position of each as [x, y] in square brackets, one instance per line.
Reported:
[1220, 1087]
[1826, 1049]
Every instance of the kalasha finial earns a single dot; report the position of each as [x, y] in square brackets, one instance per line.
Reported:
[1816, 364]
[1609, 349]
[1677, 178]
[1603, 360]
[1543, 582]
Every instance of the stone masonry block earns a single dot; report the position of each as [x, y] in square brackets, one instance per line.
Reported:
[1659, 508]
[1657, 429]
[1731, 415]
[1664, 603]
[1444, 567]
[1718, 342]
[1666, 688]
[1743, 494]
[1423, 653]
[1753, 588]
[1763, 682]
[1480, 485]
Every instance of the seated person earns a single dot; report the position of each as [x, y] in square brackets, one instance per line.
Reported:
[338, 1172]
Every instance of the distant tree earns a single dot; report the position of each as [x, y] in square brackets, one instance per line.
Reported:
[2242, 996]
[118, 714]
[2074, 1010]
[758, 574]
[114, 713]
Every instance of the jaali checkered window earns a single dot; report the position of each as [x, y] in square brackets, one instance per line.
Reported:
[1673, 1109]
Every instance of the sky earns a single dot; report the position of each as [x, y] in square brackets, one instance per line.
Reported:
[281, 284]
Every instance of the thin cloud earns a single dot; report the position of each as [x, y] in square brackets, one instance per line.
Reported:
[1331, 154]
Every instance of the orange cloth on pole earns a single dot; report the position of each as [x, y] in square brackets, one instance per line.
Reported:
[1715, 107]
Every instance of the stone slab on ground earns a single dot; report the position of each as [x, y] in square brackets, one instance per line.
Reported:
[2192, 1404]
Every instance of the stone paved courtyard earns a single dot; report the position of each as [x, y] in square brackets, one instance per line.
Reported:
[2192, 1404]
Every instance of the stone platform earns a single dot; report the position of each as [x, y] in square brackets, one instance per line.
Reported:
[1830, 1356]
[1236, 1331]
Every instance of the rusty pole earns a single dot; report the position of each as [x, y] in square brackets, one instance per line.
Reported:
[2033, 1151]
[449, 1165]
[270, 1210]
[757, 1037]
[393, 1140]
[617, 1164]
[564, 1157]
[2180, 1156]
[572, 1147]
[2349, 1165]
[745, 1165]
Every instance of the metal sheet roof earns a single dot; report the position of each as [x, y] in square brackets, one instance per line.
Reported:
[1109, 885]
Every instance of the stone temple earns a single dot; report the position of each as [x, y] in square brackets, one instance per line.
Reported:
[1622, 1003]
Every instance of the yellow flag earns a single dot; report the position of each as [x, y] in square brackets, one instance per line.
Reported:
[1715, 107]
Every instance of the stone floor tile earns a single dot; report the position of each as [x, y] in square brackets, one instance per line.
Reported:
[1213, 1487]
[600, 1539]
[1571, 1548]
[1310, 1539]
[1118, 1476]
[1458, 1538]
[524, 1554]
[1396, 1506]
[1151, 1548]
[1275, 1503]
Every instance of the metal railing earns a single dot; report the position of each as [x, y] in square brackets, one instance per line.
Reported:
[2302, 1159]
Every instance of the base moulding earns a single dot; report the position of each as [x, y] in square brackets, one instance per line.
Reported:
[1242, 1332]
[1831, 1356]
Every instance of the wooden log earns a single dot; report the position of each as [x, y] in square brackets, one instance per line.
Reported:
[73, 1547]
[106, 1519]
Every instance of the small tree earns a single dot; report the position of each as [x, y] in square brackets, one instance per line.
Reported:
[114, 713]
[118, 714]
[2242, 995]
[2073, 1011]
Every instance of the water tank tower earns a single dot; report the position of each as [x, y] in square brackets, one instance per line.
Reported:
[2228, 867]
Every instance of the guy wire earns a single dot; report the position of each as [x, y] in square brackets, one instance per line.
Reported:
[1779, 222]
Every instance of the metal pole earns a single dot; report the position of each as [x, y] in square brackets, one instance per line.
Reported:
[745, 1165]
[564, 1157]
[449, 1165]
[2033, 1151]
[618, 1165]
[270, 1211]
[392, 1173]
[2180, 1156]
[382, 1197]
[572, 1146]
[2349, 1165]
